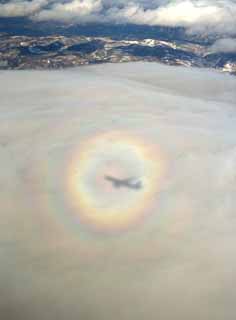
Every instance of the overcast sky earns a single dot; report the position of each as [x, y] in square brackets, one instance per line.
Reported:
[169, 250]
[205, 16]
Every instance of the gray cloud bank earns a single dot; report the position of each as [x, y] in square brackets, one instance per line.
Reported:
[179, 263]
[205, 16]
[224, 45]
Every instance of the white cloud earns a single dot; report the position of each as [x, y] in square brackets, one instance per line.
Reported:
[202, 16]
[53, 264]
[69, 11]
[21, 8]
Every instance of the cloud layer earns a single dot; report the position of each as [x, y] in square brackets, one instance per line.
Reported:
[210, 16]
[179, 260]
[224, 45]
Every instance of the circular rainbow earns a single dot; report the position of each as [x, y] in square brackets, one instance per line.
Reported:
[94, 200]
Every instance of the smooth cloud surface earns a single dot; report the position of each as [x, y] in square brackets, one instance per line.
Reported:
[224, 45]
[178, 261]
[207, 16]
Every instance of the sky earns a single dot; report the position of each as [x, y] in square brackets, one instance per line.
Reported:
[198, 16]
[74, 247]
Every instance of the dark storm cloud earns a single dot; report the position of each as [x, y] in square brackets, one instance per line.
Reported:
[202, 16]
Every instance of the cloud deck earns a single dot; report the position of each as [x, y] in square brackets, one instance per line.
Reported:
[178, 261]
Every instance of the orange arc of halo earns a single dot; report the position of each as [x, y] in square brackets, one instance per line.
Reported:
[85, 207]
